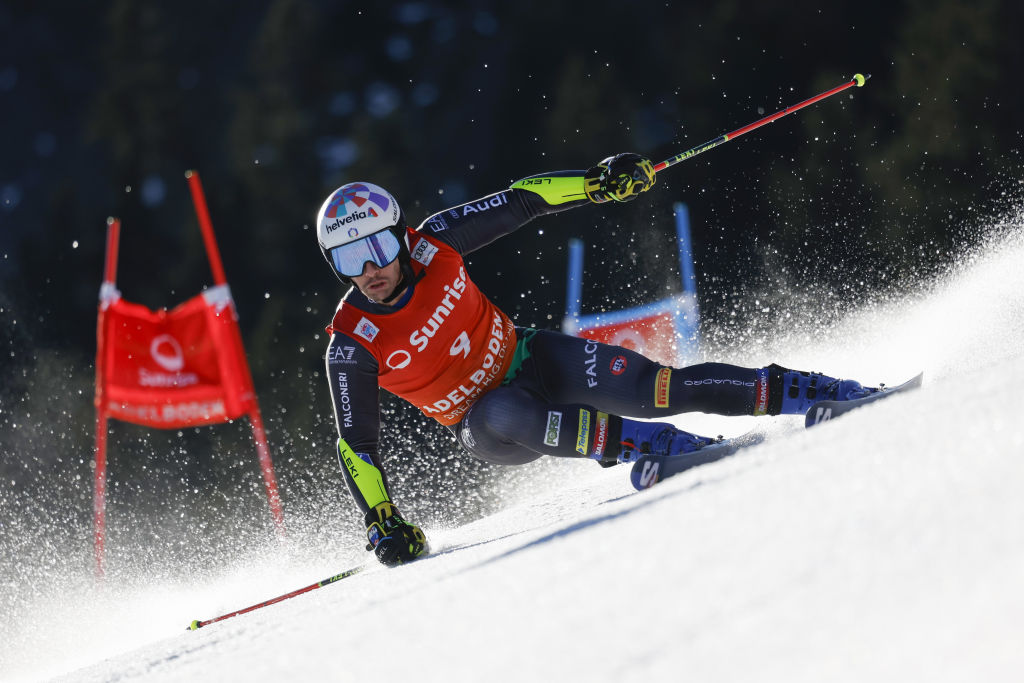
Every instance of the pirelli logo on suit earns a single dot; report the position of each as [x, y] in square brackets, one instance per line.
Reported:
[661, 387]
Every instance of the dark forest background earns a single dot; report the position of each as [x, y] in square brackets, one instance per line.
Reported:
[105, 105]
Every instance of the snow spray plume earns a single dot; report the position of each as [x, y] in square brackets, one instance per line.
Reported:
[933, 317]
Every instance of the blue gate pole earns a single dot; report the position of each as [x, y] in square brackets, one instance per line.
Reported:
[687, 324]
[685, 248]
[574, 282]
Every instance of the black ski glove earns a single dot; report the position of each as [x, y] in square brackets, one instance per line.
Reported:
[392, 539]
[619, 178]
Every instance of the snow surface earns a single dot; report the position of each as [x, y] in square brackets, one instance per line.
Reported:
[887, 545]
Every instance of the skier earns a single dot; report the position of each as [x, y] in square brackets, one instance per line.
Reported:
[415, 324]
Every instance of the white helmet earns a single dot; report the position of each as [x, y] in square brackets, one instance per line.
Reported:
[366, 220]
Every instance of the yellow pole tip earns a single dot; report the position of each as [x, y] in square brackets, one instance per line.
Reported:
[194, 625]
[860, 80]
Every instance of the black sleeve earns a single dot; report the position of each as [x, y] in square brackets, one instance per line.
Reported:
[472, 225]
[355, 391]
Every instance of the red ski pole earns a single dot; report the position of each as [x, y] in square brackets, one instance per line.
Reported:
[197, 624]
[858, 80]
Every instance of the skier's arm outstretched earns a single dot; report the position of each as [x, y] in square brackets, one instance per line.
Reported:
[472, 225]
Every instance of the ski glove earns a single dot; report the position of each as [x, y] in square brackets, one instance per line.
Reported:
[393, 540]
[619, 178]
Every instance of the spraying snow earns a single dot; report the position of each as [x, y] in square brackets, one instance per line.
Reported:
[887, 545]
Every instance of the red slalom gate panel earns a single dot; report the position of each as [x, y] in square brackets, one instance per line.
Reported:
[178, 368]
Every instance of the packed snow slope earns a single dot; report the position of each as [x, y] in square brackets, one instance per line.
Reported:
[886, 545]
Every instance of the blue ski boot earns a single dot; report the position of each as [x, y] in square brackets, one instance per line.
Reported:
[800, 390]
[657, 438]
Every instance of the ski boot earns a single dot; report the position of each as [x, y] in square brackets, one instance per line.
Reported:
[656, 438]
[800, 390]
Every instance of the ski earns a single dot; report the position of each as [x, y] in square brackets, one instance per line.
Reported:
[823, 411]
[648, 470]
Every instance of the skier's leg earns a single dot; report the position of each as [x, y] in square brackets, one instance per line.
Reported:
[511, 426]
[566, 369]
[571, 370]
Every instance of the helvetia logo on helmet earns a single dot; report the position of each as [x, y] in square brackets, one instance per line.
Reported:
[351, 218]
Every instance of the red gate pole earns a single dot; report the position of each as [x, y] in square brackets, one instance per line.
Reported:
[100, 494]
[255, 418]
[259, 435]
[107, 291]
[203, 213]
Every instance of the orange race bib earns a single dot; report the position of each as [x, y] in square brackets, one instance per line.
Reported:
[447, 346]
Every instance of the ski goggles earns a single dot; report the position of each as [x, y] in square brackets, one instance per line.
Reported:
[380, 249]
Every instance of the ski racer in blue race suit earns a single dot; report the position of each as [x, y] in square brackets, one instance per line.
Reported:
[415, 324]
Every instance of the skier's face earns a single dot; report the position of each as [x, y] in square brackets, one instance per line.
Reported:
[378, 283]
